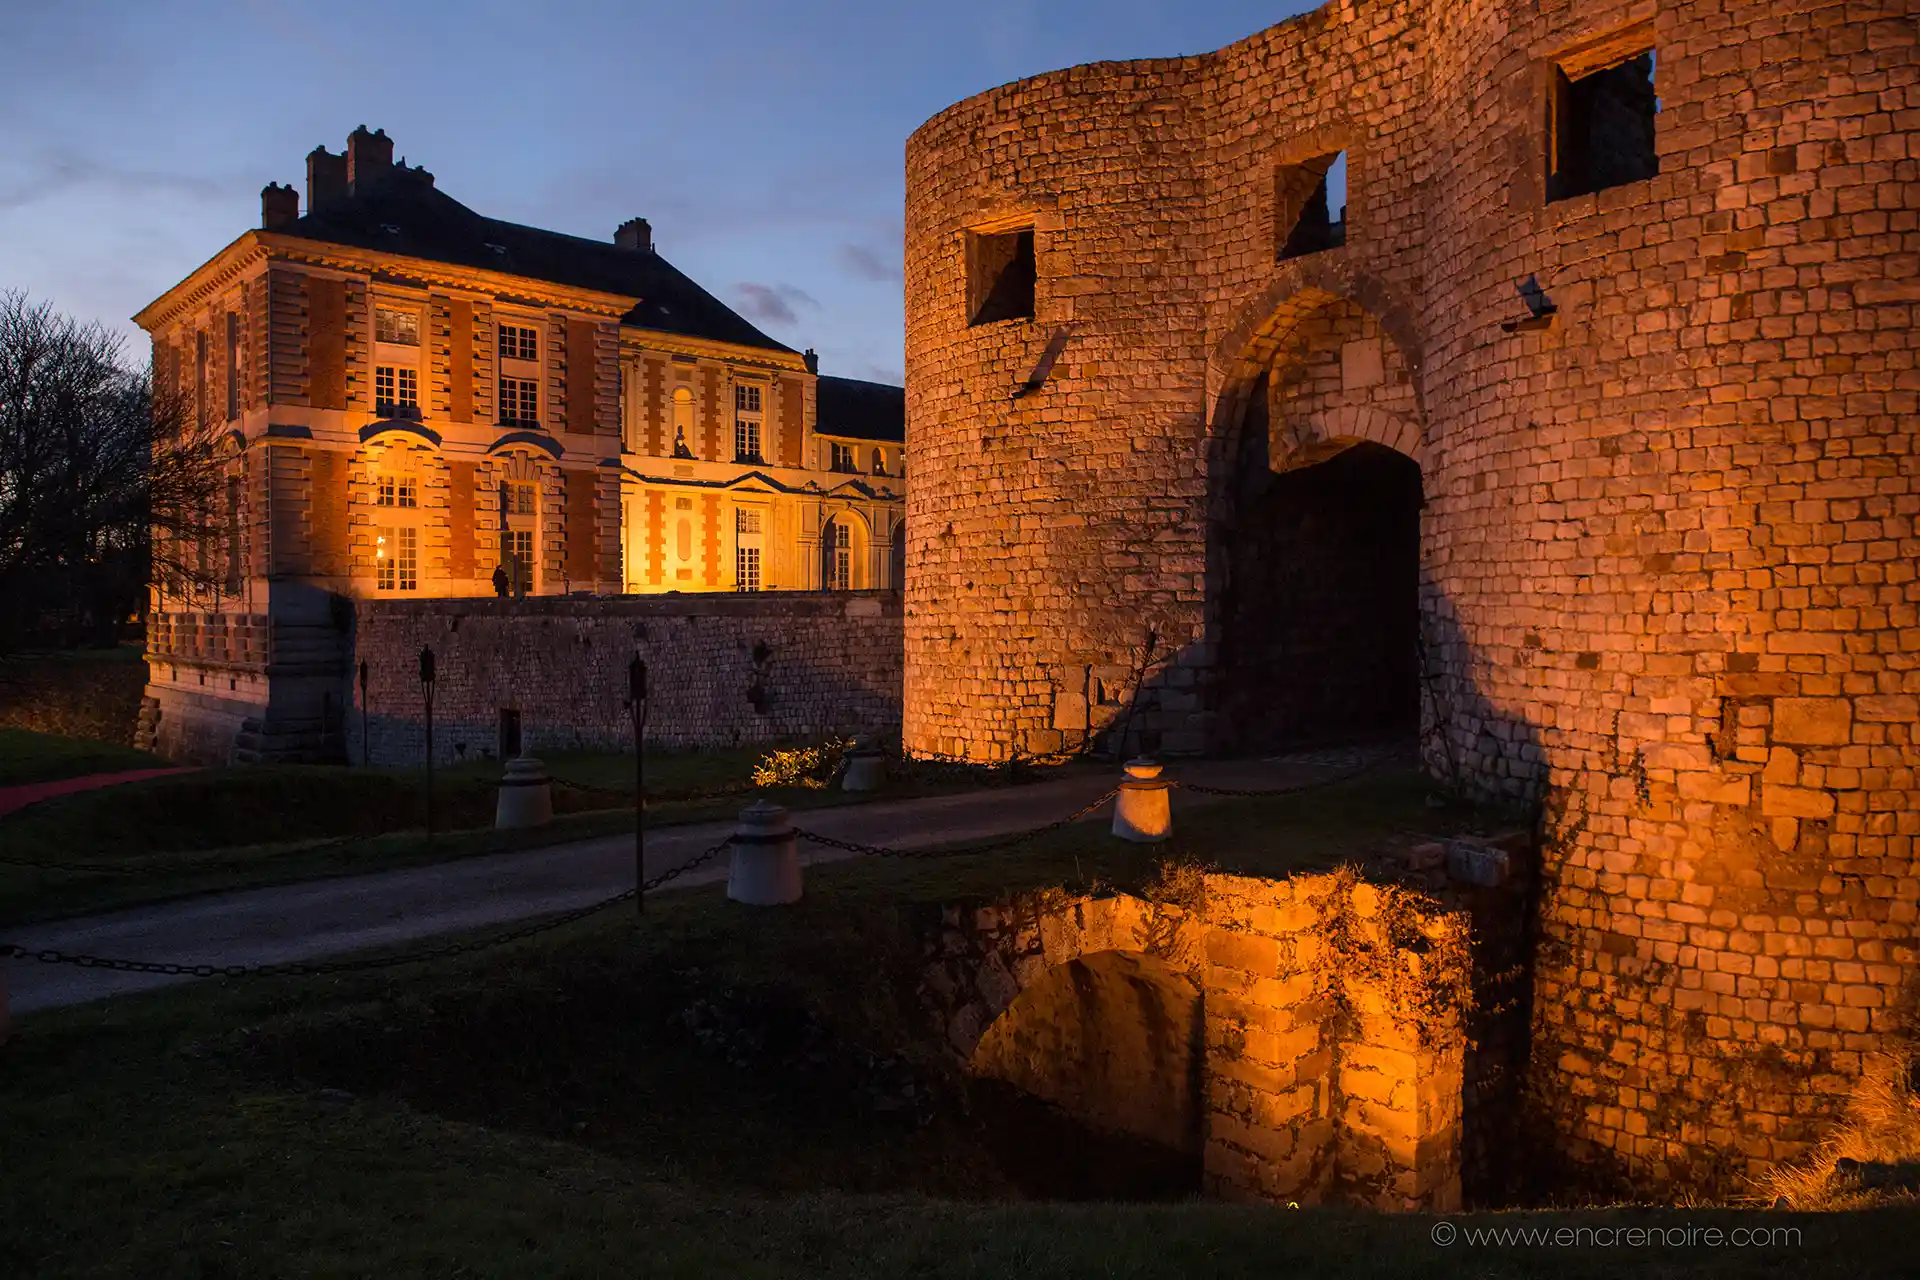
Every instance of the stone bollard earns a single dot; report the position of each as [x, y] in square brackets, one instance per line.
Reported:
[866, 767]
[1143, 811]
[526, 795]
[765, 867]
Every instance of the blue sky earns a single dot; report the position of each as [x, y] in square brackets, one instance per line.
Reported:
[763, 140]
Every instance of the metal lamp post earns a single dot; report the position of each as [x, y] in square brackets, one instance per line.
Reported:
[426, 689]
[637, 705]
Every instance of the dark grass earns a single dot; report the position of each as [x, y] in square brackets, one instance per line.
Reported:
[27, 756]
[548, 1109]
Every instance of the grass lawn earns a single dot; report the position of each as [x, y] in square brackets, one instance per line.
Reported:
[254, 825]
[26, 756]
[712, 1091]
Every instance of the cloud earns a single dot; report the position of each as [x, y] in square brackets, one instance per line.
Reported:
[53, 173]
[773, 303]
[868, 265]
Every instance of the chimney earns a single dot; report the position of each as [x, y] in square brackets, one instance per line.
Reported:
[369, 156]
[326, 180]
[635, 233]
[813, 361]
[279, 206]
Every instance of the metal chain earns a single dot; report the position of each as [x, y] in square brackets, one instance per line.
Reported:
[994, 846]
[317, 968]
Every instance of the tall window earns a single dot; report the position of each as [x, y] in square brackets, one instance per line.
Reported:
[837, 545]
[233, 366]
[746, 422]
[520, 402]
[519, 375]
[236, 567]
[746, 537]
[397, 558]
[396, 391]
[519, 530]
[842, 457]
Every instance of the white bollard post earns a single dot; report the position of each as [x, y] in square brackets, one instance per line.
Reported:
[526, 795]
[866, 767]
[1143, 811]
[765, 867]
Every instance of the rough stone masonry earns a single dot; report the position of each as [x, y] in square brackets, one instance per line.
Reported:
[1631, 285]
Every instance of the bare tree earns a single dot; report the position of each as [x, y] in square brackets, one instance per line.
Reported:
[107, 483]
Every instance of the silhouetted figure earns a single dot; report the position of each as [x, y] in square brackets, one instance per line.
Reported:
[500, 581]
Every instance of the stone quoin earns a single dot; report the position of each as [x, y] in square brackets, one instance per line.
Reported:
[1578, 430]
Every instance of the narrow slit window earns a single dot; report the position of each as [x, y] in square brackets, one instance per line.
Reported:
[1001, 275]
[1310, 206]
[1602, 127]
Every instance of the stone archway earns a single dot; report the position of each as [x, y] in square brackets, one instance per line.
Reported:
[1314, 541]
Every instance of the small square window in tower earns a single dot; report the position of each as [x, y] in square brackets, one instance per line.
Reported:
[1602, 127]
[1001, 273]
[1310, 206]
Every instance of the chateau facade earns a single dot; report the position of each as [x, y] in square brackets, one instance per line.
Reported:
[423, 402]
[1578, 431]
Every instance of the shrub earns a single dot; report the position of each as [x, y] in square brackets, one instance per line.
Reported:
[810, 767]
[1872, 1158]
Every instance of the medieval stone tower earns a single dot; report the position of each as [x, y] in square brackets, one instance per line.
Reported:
[1580, 430]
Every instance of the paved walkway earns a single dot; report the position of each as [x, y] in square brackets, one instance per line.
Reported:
[26, 793]
[356, 913]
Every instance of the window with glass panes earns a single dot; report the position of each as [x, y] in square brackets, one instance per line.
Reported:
[746, 528]
[520, 402]
[396, 325]
[842, 457]
[398, 491]
[518, 544]
[396, 389]
[519, 342]
[746, 421]
[839, 552]
[397, 558]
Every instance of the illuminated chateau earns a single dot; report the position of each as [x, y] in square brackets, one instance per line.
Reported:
[425, 402]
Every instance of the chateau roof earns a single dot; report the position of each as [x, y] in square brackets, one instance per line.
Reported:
[860, 410]
[406, 215]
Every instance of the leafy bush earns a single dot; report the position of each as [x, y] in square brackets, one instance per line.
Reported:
[809, 767]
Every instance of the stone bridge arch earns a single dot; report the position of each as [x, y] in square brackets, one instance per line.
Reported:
[1305, 1036]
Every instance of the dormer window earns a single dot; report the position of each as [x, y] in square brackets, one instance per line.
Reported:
[842, 458]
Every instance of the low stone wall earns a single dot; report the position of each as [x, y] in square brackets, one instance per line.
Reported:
[722, 669]
[1340, 1024]
[94, 695]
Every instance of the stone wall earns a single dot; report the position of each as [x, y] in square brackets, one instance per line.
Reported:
[1339, 1020]
[722, 670]
[1666, 552]
[88, 694]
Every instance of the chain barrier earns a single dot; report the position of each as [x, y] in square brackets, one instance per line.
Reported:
[321, 968]
[300, 968]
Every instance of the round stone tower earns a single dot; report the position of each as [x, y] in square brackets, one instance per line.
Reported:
[1543, 376]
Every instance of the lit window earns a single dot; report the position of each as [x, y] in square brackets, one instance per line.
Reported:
[746, 526]
[398, 491]
[397, 558]
[879, 463]
[838, 545]
[399, 327]
[520, 402]
[519, 342]
[396, 391]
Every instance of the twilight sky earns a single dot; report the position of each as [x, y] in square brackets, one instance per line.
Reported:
[763, 138]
